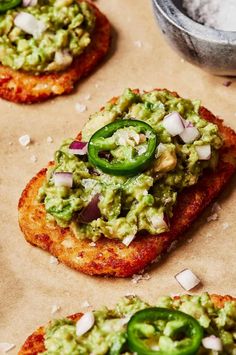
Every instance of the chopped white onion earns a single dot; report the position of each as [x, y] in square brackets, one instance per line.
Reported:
[160, 149]
[190, 134]
[29, 24]
[127, 240]
[85, 323]
[26, 3]
[173, 123]
[203, 152]
[158, 221]
[63, 179]
[187, 279]
[213, 343]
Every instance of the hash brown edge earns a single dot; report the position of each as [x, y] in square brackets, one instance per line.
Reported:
[23, 87]
[34, 344]
[112, 257]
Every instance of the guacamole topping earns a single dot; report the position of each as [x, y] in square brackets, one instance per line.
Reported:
[61, 31]
[109, 332]
[140, 202]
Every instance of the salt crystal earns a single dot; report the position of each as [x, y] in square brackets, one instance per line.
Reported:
[55, 308]
[139, 277]
[49, 139]
[225, 225]
[5, 347]
[87, 97]
[92, 244]
[138, 44]
[212, 217]
[80, 107]
[24, 140]
[33, 158]
[213, 13]
[53, 260]
[85, 304]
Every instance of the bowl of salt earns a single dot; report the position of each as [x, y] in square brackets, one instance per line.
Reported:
[201, 31]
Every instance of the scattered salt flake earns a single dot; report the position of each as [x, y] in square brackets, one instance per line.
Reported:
[80, 107]
[53, 260]
[172, 246]
[138, 44]
[212, 217]
[216, 208]
[139, 277]
[182, 60]
[24, 140]
[97, 85]
[92, 244]
[130, 294]
[85, 304]
[33, 158]
[68, 243]
[55, 308]
[5, 347]
[209, 235]
[225, 226]
[227, 83]
[49, 139]
[10, 143]
[87, 97]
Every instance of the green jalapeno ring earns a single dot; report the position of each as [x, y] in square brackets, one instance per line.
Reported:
[8, 4]
[126, 168]
[192, 329]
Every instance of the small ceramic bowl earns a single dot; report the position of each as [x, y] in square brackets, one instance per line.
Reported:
[210, 49]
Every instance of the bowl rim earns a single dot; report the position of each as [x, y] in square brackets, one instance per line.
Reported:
[171, 12]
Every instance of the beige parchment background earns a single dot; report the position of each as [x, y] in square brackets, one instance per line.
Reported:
[30, 285]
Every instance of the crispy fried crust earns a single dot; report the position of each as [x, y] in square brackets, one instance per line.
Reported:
[111, 257]
[23, 87]
[34, 344]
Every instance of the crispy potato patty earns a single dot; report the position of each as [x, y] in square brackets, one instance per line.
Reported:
[22, 87]
[34, 344]
[112, 257]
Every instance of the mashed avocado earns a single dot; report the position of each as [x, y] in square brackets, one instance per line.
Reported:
[109, 331]
[66, 27]
[130, 204]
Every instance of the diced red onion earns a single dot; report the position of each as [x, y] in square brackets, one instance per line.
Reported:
[26, 3]
[63, 179]
[85, 323]
[91, 211]
[203, 152]
[173, 123]
[127, 240]
[78, 148]
[213, 343]
[29, 24]
[190, 134]
[158, 221]
[187, 279]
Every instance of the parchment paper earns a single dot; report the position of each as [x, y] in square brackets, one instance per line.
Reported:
[30, 285]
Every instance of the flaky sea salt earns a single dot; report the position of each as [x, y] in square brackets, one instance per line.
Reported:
[217, 14]
[5, 347]
[24, 140]
[80, 107]
[49, 139]
[55, 308]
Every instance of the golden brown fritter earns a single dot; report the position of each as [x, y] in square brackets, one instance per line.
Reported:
[34, 344]
[22, 87]
[112, 257]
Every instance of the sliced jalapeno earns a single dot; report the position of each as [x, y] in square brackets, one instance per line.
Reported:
[160, 331]
[101, 147]
[8, 4]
